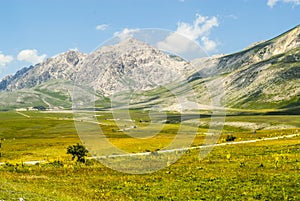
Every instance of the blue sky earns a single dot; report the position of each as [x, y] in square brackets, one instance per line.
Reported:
[32, 30]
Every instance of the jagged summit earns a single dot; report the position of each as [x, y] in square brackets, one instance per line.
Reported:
[146, 67]
[103, 68]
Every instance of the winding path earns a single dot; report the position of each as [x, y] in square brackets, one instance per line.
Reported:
[197, 147]
[179, 149]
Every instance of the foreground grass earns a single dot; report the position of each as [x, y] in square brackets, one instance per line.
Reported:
[259, 171]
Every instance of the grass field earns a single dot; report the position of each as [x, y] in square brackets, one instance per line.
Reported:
[266, 170]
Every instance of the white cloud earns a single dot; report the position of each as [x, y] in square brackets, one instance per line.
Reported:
[201, 26]
[176, 43]
[31, 56]
[272, 3]
[102, 27]
[196, 33]
[5, 59]
[126, 33]
[208, 44]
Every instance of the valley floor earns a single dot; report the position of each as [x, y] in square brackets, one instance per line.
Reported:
[260, 170]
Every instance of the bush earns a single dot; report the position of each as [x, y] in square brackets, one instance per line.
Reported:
[230, 138]
[78, 151]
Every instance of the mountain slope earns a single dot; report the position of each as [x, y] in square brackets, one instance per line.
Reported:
[263, 76]
[255, 54]
[129, 65]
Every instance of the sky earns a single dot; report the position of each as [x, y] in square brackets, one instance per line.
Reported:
[33, 30]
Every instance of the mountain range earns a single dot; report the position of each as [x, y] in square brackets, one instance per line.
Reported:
[264, 76]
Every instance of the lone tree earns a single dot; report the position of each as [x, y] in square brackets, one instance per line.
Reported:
[78, 151]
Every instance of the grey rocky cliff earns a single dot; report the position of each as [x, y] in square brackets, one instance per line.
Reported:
[131, 64]
[63, 66]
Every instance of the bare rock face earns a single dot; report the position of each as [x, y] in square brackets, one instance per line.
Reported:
[130, 64]
[63, 66]
[105, 68]
[72, 58]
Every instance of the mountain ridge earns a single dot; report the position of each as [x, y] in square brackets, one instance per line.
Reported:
[261, 76]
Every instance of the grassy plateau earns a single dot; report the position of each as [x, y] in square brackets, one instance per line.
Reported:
[263, 170]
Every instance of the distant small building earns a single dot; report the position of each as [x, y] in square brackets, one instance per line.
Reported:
[32, 109]
[27, 109]
[21, 109]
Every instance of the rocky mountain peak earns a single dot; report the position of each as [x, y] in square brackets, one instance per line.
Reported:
[103, 68]
[63, 66]
[145, 66]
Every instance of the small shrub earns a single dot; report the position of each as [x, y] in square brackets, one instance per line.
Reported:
[230, 138]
